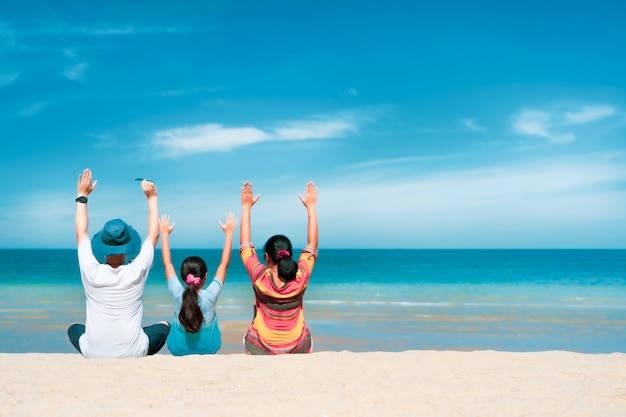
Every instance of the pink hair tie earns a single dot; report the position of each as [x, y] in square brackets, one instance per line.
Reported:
[283, 253]
[193, 280]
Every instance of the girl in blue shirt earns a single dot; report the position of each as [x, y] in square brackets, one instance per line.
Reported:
[195, 329]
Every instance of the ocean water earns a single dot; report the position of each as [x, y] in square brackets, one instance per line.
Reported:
[367, 300]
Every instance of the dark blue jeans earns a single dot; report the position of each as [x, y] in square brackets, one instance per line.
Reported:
[157, 335]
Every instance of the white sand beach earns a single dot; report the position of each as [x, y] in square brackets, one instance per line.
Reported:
[429, 383]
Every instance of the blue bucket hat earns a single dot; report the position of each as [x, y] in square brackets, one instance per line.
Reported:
[116, 238]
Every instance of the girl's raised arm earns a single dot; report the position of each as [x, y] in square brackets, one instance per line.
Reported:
[166, 229]
[229, 230]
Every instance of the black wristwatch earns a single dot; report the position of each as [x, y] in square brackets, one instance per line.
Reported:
[82, 199]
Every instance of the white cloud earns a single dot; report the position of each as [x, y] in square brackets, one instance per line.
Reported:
[70, 53]
[206, 138]
[550, 124]
[7, 78]
[121, 30]
[7, 37]
[103, 140]
[308, 129]
[215, 137]
[184, 92]
[128, 30]
[589, 114]
[539, 123]
[532, 122]
[76, 72]
[99, 31]
[471, 124]
[400, 161]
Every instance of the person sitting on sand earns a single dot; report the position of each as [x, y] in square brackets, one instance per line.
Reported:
[114, 267]
[278, 325]
[195, 329]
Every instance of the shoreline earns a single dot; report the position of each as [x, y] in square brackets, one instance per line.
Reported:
[52, 338]
[486, 383]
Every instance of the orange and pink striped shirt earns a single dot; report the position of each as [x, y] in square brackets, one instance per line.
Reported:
[278, 325]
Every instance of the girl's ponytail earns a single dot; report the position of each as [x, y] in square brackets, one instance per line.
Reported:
[193, 271]
[190, 315]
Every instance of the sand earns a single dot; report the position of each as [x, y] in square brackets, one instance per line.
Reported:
[429, 383]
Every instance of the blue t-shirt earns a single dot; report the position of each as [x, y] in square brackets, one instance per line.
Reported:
[209, 338]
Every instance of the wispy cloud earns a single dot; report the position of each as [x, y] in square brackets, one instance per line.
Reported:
[113, 30]
[216, 137]
[532, 122]
[555, 125]
[104, 141]
[70, 53]
[313, 129]
[76, 72]
[107, 31]
[206, 138]
[539, 123]
[471, 124]
[589, 114]
[400, 161]
[187, 91]
[131, 30]
[7, 78]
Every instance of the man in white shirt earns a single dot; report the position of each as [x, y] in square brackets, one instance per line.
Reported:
[114, 267]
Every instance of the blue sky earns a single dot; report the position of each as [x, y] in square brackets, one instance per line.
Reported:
[452, 125]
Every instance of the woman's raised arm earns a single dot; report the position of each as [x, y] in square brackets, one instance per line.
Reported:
[310, 202]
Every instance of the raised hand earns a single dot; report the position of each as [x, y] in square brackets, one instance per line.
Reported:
[85, 186]
[230, 223]
[164, 224]
[149, 189]
[310, 197]
[247, 200]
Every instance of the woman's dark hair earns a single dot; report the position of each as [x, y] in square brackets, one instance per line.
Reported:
[190, 315]
[279, 250]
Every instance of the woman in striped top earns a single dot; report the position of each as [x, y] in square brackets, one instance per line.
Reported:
[279, 284]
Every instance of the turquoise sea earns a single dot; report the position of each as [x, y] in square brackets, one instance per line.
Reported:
[368, 300]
